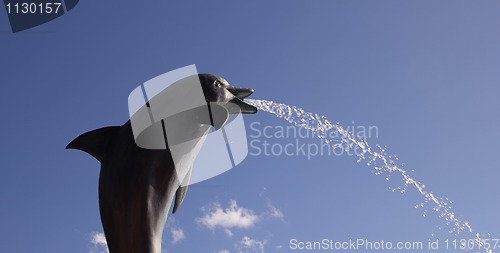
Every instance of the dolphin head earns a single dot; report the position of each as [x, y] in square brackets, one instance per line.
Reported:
[217, 90]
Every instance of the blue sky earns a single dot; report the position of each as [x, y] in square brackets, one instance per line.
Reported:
[425, 73]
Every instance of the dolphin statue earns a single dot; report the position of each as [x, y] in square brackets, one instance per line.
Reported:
[137, 185]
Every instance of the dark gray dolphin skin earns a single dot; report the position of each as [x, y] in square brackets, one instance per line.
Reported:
[136, 185]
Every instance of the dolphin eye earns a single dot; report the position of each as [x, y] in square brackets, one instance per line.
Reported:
[217, 83]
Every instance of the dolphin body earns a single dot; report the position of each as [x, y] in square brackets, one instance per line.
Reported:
[137, 185]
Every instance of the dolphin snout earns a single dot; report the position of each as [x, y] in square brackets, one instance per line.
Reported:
[240, 93]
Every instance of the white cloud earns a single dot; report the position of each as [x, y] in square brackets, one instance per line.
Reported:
[250, 245]
[99, 241]
[234, 216]
[228, 218]
[177, 235]
[224, 251]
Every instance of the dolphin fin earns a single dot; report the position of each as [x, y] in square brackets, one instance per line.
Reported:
[181, 191]
[94, 142]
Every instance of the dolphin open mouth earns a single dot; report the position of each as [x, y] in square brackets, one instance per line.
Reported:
[239, 95]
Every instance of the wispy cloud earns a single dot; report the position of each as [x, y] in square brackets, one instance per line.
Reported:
[224, 251]
[228, 232]
[248, 244]
[177, 235]
[99, 243]
[272, 212]
[228, 218]
[275, 212]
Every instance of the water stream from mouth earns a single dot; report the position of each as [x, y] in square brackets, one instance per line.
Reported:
[375, 157]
